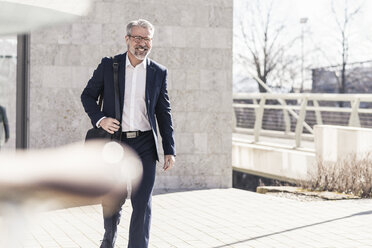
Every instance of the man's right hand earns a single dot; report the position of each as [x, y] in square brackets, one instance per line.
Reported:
[110, 125]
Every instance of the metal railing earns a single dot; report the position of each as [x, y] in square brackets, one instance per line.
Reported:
[294, 115]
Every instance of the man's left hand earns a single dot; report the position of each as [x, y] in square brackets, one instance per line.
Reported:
[168, 162]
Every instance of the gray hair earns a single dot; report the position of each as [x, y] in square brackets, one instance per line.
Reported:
[141, 23]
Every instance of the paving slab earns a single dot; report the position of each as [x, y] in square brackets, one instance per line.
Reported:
[215, 218]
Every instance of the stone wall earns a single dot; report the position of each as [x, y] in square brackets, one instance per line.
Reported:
[193, 38]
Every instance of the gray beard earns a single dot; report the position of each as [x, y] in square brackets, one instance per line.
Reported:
[137, 56]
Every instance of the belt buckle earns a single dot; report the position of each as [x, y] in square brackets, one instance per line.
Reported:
[131, 135]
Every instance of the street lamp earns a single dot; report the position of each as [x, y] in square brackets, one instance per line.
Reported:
[303, 21]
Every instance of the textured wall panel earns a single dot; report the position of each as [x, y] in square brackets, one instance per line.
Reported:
[192, 38]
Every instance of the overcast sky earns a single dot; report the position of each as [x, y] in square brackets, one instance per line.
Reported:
[321, 22]
[321, 28]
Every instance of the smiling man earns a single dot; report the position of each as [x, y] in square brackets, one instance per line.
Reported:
[143, 101]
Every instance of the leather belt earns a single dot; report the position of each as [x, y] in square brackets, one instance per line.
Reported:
[133, 134]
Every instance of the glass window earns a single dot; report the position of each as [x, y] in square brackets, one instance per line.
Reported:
[8, 85]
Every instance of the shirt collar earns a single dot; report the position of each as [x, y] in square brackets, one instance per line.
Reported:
[143, 64]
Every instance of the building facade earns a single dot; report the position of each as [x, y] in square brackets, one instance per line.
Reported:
[193, 39]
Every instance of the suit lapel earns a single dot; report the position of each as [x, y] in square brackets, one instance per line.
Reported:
[150, 81]
[122, 64]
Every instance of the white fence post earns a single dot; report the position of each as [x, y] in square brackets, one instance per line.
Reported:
[300, 121]
[354, 116]
[255, 103]
[318, 115]
[259, 117]
[287, 121]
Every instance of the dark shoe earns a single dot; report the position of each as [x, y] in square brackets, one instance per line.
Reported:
[106, 244]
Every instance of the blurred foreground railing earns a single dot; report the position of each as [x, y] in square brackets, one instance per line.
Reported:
[294, 115]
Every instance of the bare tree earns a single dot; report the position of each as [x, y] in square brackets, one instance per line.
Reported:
[268, 50]
[343, 21]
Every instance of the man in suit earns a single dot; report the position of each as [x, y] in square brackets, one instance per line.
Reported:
[143, 98]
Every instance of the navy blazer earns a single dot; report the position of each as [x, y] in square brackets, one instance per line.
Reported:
[157, 100]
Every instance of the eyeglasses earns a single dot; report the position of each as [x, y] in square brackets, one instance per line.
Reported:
[138, 39]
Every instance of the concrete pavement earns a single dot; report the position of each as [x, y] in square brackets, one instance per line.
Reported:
[217, 218]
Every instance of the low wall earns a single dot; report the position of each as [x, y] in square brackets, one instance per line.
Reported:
[332, 143]
[335, 142]
[272, 162]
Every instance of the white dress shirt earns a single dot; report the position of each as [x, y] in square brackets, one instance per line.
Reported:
[134, 111]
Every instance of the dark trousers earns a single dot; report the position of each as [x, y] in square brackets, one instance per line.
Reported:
[139, 229]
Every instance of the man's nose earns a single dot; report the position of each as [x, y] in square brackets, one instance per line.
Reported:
[142, 42]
